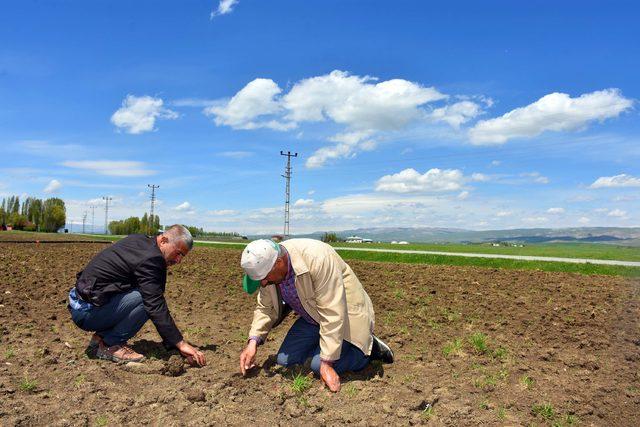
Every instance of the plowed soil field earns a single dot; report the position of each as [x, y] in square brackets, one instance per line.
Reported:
[474, 346]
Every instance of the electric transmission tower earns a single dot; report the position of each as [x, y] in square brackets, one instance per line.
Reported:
[106, 199]
[84, 220]
[93, 219]
[287, 176]
[153, 202]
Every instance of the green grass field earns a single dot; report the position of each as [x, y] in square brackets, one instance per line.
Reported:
[564, 250]
[567, 250]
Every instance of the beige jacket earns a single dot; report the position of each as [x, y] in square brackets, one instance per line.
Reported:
[329, 291]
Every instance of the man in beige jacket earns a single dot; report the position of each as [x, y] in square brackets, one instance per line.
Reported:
[335, 327]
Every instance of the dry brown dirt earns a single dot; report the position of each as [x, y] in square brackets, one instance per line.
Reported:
[567, 341]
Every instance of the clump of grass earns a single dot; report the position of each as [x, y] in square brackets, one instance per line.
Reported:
[398, 294]
[527, 381]
[428, 412]
[28, 385]
[452, 348]
[433, 324]
[545, 411]
[351, 390]
[500, 353]
[502, 413]
[80, 379]
[101, 421]
[9, 353]
[484, 405]
[301, 383]
[567, 420]
[479, 342]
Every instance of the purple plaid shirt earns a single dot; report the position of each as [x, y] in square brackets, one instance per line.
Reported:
[290, 295]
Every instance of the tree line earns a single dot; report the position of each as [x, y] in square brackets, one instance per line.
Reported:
[33, 214]
[135, 225]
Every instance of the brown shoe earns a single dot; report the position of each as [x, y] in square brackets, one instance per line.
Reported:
[118, 353]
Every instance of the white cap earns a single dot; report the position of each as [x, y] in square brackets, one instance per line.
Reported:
[258, 258]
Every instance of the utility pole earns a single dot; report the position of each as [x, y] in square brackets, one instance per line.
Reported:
[84, 220]
[153, 202]
[287, 176]
[106, 199]
[93, 219]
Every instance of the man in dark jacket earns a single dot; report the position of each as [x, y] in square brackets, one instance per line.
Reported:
[123, 286]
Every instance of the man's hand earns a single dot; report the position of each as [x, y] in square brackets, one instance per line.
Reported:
[329, 376]
[248, 357]
[193, 355]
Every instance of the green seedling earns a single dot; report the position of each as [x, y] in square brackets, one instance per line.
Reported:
[101, 421]
[527, 381]
[9, 353]
[301, 383]
[351, 390]
[452, 348]
[545, 411]
[479, 342]
[28, 385]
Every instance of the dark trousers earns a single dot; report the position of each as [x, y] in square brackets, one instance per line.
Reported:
[303, 342]
[117, 321]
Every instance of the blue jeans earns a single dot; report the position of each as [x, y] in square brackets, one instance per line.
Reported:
[303, 342]
[117, 321]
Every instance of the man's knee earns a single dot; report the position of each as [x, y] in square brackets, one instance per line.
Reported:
[315, 364]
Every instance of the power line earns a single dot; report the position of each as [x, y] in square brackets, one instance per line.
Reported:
[287, 176]
[106, 199]
[153, 202]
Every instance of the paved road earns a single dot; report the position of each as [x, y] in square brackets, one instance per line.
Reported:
[474, 255]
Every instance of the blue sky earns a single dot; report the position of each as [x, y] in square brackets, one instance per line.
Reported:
[479, 115]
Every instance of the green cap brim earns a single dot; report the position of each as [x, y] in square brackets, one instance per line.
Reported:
[249, 285]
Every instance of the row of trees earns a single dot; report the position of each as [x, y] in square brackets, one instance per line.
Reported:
[199, 232]
[33, 214]
[135, 225]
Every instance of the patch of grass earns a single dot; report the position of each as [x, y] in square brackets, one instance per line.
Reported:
[527, 381]
[101, 421]
[452, 348]
[479, 342]
[9, 353]
[389, 318]
[545, 410]
[28, 385]
[502, 413]
[500, 353]
[350, 390]
[484, 405]
[301, 383]
[428, 412]
[567, 420]
[80, 379]
[303, 401]
[484, 382]
[588, 269]
[433, 324]
[450, 315]
[398, 294]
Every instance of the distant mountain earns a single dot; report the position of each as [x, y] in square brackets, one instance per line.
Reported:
[610, 235]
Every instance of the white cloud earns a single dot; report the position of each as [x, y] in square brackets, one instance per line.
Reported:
[303, 202]
[617, 213]
[222, 212]
[622, 180]
[183, 206]
[537, 178]
[256, 99]
[311, 192]
[495, 163]
[535, 219]
[362, 105]
[463, 195]
[479, 177]
[236, 154]
[553, 112]
[111, 167]
[555, 211]
[53, 187]
[138, 114]
[224, 7]
[456, 114]
[502, 214]
[584, 220]
[410, 180]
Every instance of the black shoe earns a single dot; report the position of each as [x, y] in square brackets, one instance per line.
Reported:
[381, 351]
